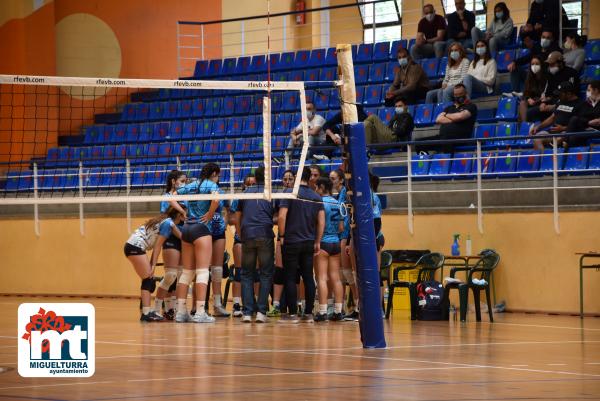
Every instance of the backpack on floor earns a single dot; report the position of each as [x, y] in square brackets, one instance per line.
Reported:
[430, 295]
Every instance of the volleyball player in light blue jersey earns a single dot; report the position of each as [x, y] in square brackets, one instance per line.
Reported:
[217, 230]
[175, 180]
[376, 202]
[327, 261]
[197, 244]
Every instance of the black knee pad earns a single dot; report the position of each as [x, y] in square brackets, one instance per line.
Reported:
[279, 276]
[173, 286]
[148, 284]
[237, 275]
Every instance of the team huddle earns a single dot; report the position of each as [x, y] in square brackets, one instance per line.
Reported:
[313, 241]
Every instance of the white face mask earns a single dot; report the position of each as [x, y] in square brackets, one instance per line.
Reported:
[588, 95]
[553, 70]
[568, 45]
[403, 62]
[454, 55]
[429, 17]
[535, 68]
[310, 114]
[480, 51]
[399, 110]
[545, 42]
[499, 15]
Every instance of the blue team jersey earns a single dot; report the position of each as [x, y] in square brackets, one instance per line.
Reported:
[197, 209]
[342, 199]
[332, 220]
[166, 227]
[376, 205]
[217, 225]
[164, 205]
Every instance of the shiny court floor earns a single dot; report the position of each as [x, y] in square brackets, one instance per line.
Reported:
[519, 357]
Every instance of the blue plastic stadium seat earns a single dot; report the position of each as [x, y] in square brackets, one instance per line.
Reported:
[242, 105]
[546, 163]
[113, 177]
[594, 159]
[354, 51]
[507, 109]
[201, 69]
[185, 109]
[327, 74]
[151, 153]
[420, 165]
[156, 110]
[161, 132]
[438, 109]
[129, 133]
[282, 124]
[213, 107]
[396, 44]
[322, 99]
[128, 112]
[360, 94]
[372, 95]
[505, 164]
[242, 66]
[52, 157]
[430, 66]
[317, 57]
[234, 127]
[290, 101]
[138, 176]
[258, 64]
[372, 111]
[331, 57]
[188, 129]
[461, 165]
[390, 71]
[334, 100]
[256, 103]
[386, 114]
[302, 57]
[280, 76]
[214, 68]
[297, 75]
[165, 151]
[76, 154]
[504, 131]
[170, 110]
[108, 155]
[228, 67]
[219, 128]
[361, 74]
[486, 116]
[198, 107]
[286, 61]
[522, 53]
[174, 130]
[381, 51]
[153, 176]
[592, 51]
[504, 58]
[312, 75]
[528, 162]
[440, 165]
[249, 127]
[145, 134]
[364, 53]
[93, 135]
[485, 131]
[424, 114]
[181, 149]
[195, 151]
[377, 73]
[242, 146]
[142, 112]
[591, 72]
[442, 67]
[524, 128]
[577, 158]
[134, 152]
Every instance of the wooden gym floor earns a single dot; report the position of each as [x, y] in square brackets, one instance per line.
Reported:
[520, 357]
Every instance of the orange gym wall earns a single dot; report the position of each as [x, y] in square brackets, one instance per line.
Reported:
[538, 269]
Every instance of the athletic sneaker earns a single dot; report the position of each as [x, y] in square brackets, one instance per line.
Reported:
[151, 317]
[274, 312]
[351, 317]
[169, 315]
[237, 310]
[260, 318]
[183, 317]
[336, 317]
[247, 319]
[320, 157]
[307, 318]
[202, 318]
[219, 311]
[290, 319]
[321, 317]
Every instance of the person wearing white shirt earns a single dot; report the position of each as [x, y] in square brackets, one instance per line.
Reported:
[481, 77]
[316, 135]
[458, 66]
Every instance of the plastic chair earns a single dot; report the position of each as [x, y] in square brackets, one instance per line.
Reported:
[484, 267]
[427, 265]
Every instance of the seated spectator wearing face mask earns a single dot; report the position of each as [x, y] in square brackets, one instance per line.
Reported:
[500, 30]
[587, 117]
[574, 51]
[431, 35]
[399, 129]
[535, 88]
[316, 135]
[569, 105]
[456, 70]
[410, 81]
[481, 77]
[544, 15]
[542, 50]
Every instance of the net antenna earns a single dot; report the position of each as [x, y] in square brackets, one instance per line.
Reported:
[37, 174]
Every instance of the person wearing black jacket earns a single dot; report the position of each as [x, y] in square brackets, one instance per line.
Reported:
[588, 117]
[399, 128]
[544, 15]
[546, 46]
[460, 24]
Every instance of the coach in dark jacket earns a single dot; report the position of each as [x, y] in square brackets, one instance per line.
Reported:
[398, 129]
[410, 81]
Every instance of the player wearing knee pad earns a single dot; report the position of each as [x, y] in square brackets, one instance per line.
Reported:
[217, 229]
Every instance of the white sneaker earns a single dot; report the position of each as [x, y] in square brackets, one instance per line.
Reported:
[260, 318]
[183, 317]
[247, 319]
[202, 318]
[219, 311]
[518, 94]
[507, 94]
[320, 157]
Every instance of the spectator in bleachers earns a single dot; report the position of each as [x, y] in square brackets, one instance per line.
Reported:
[332, 126]
[542, 50]
[410, 81]
[543, 15]
[574, 51]
[588, 116]
[481, 77]
[457, 120]
[460, 25]
[500, 30]
[535, 85]
[399, 128]
[569, 105]
[431, 35]
[456, 70]
[316, 135]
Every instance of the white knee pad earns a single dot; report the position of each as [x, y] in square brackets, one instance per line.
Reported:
[349, 276]
[186, 277]
[169, 278]
[216, 273]
[202, 276]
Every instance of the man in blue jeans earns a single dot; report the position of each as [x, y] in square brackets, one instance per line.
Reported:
[301, 223]
[255, 223]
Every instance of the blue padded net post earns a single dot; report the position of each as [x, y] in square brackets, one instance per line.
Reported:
[363, 234]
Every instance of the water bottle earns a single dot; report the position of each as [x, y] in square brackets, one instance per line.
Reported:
[455, 248]
[469, 246]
